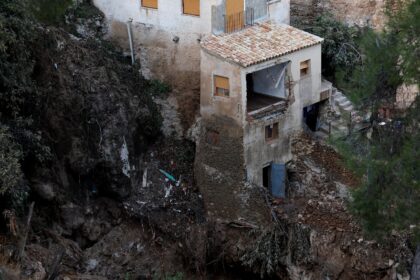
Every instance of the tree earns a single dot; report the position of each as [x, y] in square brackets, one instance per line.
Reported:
[10, 157]
[389, 197]
[339, 49]
[405, 23]
[20, 101]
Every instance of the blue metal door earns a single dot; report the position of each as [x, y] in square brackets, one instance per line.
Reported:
[278, 180]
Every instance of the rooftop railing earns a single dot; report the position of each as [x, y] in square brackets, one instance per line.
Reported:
[238, 21]
[255, 10]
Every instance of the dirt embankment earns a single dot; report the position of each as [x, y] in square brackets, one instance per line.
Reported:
[104, 208]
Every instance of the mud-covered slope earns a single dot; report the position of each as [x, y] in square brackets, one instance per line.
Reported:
[98, 115]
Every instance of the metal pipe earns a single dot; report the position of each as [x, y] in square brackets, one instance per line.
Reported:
[130, 39]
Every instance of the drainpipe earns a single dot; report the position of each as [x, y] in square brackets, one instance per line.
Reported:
[130, 39]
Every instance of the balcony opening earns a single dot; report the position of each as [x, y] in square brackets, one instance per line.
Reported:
[266, 87]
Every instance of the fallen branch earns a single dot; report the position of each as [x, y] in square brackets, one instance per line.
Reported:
[242, 224]
[22, 242]
[53, 270]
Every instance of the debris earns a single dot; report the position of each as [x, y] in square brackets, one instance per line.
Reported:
[22, 242]
[91, 264]
[169, 176]
[242, 224]
[168, 191]
[144, 182]
[54, 268]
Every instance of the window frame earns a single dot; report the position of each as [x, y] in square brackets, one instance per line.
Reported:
[307, 68]
[190, 14]
[216, 87]
[149, 7]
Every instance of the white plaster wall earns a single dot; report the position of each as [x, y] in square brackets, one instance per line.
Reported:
[169, 15]
[271, 81]
[155, 32]
[259, 153]
[210, 105]
[279, 11]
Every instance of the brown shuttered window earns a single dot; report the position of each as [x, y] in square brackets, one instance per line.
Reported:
[305, 67]
[149, 4]
[191, 7]
[221, 86]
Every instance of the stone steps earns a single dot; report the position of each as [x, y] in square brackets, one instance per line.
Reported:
[344, 110]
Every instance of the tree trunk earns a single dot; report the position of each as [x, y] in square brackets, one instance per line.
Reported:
[22, 242]
[415, 271]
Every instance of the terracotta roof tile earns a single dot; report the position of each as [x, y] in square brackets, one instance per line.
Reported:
[259, 43]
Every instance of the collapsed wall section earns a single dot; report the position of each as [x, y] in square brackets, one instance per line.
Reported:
[220, 174]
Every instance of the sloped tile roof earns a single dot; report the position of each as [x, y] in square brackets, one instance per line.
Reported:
[259, 43]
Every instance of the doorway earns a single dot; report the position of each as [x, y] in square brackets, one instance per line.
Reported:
[267, 177]
[274, 179]
[311, 116]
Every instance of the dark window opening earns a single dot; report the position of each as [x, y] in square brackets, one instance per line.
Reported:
[271, 131]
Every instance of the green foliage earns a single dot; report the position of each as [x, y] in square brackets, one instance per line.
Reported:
[339, 49]
[50, 12]
[266, 256]
[17, 89]
[10, 157]
[389, 162]
[405, 24]
[156, 87]
[389, 197]
[378, 76]
[20, 100]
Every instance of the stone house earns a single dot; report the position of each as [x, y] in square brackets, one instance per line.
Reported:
[259, 78]
[259, 86]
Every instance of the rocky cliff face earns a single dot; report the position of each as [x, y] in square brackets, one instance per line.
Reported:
[355, 12]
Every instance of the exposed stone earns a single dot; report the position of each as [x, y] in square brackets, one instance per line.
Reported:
[355, 12]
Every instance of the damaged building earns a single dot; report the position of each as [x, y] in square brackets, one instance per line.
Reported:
[260, 83]
[259, 86]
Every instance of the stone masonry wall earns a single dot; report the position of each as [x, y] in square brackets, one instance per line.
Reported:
[354, 12]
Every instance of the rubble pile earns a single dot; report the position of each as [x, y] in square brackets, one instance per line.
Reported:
[332, 240]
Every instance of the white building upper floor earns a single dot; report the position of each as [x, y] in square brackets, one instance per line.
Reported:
[245, 73]
[196, 16]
